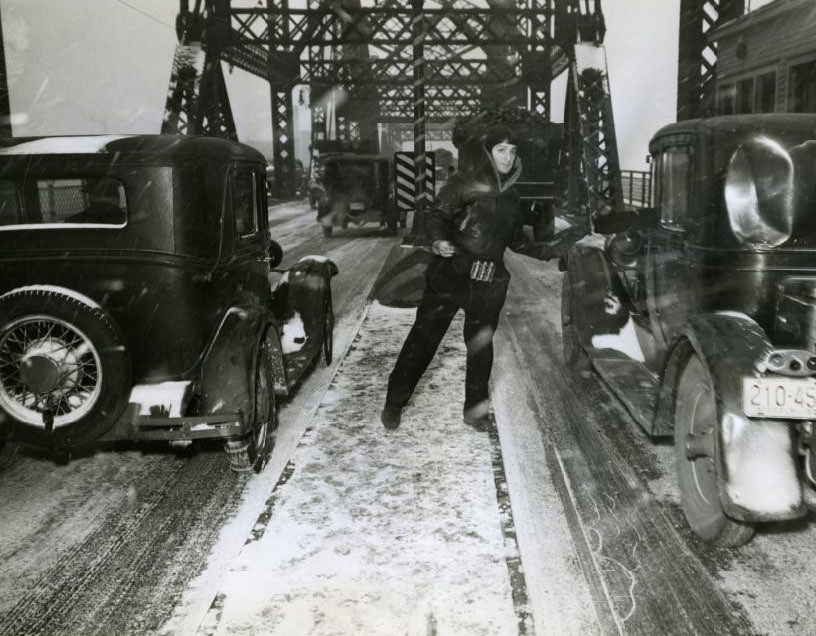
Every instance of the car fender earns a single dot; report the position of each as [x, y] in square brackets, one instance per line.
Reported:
[593, 280]
[227, 380]
[309, 287]
[755, 459]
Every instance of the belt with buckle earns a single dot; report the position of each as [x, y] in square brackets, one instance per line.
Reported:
[482, 271]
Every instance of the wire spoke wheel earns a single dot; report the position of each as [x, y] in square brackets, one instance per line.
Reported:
[695, 427]
[65, 367]
[50, 371]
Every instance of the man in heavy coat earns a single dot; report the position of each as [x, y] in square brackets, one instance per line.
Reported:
[476, 216]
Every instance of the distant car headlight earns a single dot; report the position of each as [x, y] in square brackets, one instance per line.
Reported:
[759, 193]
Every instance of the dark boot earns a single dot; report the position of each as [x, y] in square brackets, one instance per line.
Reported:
[478, 418]
[390, 417]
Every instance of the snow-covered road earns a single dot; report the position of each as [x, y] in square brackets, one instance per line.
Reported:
[563, 520]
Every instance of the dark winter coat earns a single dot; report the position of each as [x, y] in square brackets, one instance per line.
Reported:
[479, 213]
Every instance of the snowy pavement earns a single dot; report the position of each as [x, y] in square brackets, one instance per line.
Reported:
[376, 532]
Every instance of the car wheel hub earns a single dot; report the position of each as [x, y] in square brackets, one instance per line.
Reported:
[58, 371]
[40, 374]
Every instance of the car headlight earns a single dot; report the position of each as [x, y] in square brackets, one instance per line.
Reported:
[759, 193]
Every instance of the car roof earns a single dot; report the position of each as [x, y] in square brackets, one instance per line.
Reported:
[741, 124]
[159, 149]
[351, 157]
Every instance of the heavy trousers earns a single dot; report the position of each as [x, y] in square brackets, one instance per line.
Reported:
[446, 292]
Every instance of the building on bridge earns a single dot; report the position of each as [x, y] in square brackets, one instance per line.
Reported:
[767, 60]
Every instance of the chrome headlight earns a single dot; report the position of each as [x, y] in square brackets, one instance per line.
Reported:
[759, 193]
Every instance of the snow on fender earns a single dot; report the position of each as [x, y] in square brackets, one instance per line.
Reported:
[756, 466]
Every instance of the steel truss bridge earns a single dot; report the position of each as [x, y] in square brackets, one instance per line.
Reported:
[418, 63]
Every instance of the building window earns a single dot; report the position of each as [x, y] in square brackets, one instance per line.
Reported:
[802, 90]
[765, 96]
[745, 96]
[725, 99]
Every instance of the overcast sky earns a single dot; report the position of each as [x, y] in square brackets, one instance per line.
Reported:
[102, 66]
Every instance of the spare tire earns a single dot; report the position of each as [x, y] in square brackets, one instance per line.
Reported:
[65, 372]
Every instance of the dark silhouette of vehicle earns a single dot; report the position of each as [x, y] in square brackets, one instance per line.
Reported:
[357, 189]
[138, 299]
[700, 314]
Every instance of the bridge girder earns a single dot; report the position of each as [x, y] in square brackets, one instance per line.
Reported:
[479, 49]
[697, 56]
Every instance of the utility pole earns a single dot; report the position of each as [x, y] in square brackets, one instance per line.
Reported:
[418, 31]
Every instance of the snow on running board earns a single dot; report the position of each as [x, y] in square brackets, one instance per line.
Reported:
[166, 396]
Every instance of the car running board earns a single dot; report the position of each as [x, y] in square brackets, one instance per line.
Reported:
[633, 384]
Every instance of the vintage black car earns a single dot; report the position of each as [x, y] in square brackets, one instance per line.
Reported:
[137, 297]
[700, 314]
[357, 189]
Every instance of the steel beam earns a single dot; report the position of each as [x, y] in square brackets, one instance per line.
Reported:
[281, 72]
[197, 102]
[419, 30]
[504, 31]
[697, 57]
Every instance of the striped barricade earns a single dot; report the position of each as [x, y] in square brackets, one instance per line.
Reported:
[404, 186]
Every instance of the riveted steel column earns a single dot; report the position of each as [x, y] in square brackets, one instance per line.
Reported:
[697, 57]
[280, 90]
[418, 32]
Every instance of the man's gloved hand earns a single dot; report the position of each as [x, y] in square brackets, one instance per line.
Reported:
[445, 249]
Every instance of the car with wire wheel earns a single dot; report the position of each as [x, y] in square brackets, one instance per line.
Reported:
[699, 312]
[141, 298]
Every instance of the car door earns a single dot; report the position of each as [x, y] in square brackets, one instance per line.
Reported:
[671, 284]
[248, 263]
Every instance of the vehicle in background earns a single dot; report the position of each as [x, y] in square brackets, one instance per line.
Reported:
[357, 190]
[700, 314]
[314, 181]
[139, 299]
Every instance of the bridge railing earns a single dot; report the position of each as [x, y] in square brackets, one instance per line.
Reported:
[636, 186]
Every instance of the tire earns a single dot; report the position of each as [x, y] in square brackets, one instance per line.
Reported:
[328, 328]
[575, 358]
[65, 371]
[695, 414]
[327, 230]
[251, 452]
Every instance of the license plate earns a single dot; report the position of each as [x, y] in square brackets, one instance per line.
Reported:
[357, 206]
[788, 398]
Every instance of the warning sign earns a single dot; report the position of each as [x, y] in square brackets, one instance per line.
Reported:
[404, 188]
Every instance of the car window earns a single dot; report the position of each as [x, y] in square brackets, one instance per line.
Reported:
[244, 196]
[674, 171]
[76, 201]
[351, 170]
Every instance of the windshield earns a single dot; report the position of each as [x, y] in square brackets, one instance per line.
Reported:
[349, 170]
